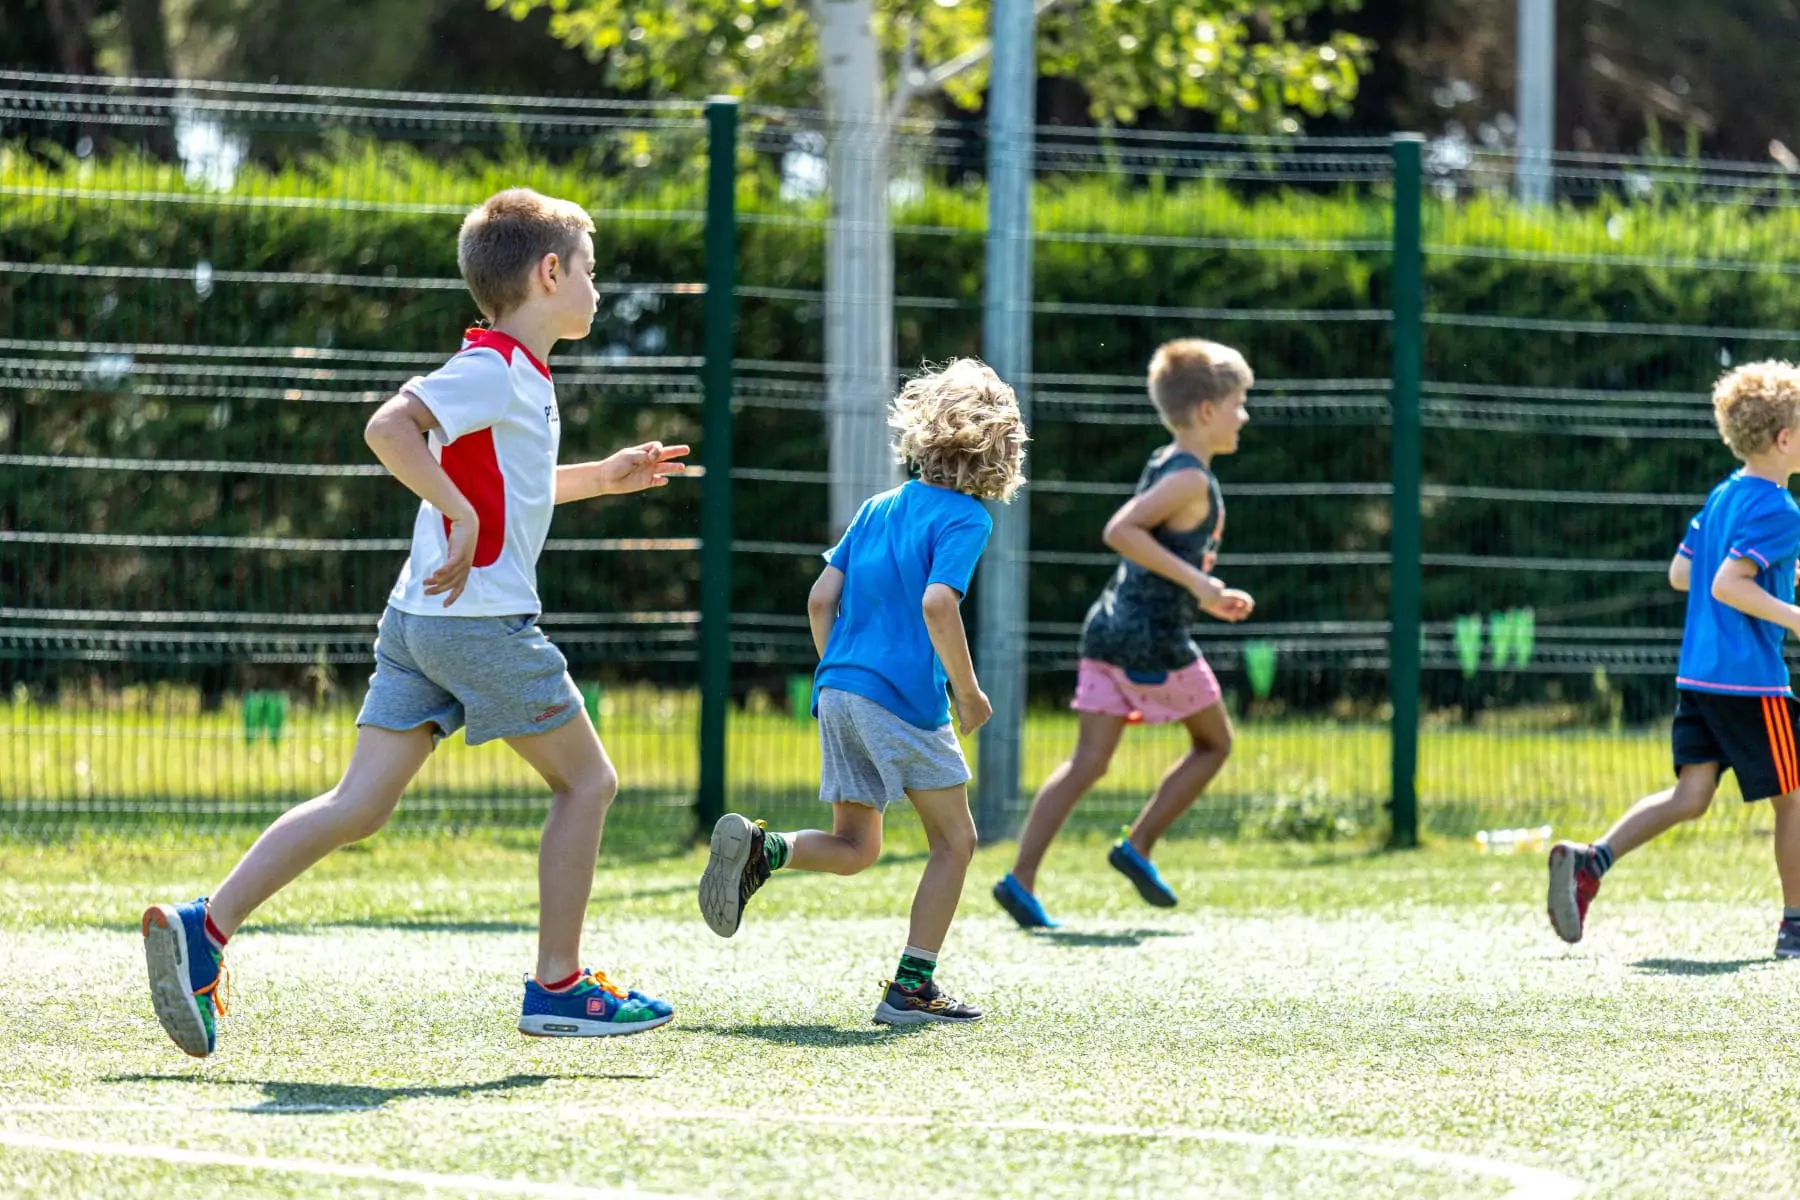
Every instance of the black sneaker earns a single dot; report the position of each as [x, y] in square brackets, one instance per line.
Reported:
[925, 1006]
[1787, 941]
[736, 869]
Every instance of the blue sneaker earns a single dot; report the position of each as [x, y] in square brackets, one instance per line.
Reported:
[1021, 905]
[594, 1007]
[1143, 874]
[188, 980]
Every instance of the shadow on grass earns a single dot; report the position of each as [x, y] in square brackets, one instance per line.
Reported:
[816, 1036]
[281, 1096]
[1116, 937]
[1698, 966]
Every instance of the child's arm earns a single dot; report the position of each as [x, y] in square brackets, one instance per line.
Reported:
[396, 433]
[629, 470]
[822, 606]
[1180, 493]
[943, 621]
[1735, 584]
[1681, 572]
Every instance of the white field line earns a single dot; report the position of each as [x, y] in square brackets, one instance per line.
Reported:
[1527, 1183]
[478, 1185]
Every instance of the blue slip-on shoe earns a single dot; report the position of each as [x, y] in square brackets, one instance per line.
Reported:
[188, 981]
[593, 1007]
[1143, 874]
[1021, 905]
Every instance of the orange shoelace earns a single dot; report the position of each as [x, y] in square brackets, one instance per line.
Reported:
[220, 991]
[608, 986]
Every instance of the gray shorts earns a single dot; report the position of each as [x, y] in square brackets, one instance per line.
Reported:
[871, 756]
[501, 674]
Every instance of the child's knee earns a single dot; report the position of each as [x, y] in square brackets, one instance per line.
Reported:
[1089, 769]
[596, 790]
[864, 850]
[1693, 803]
[359, 819]
[958, 841]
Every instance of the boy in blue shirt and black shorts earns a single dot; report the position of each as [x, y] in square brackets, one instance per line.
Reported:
[889, 632]
[1735, 709]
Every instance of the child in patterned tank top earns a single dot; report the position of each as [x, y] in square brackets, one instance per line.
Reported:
[1139, 663]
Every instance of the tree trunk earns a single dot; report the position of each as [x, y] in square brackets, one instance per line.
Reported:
[859, 260]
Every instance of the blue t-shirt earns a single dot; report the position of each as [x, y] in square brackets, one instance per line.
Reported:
[1722, 649]
[900, 543]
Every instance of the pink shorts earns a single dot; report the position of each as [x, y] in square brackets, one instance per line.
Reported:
[1104, 688]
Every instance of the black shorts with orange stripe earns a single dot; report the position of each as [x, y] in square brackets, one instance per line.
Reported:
[1753, 736]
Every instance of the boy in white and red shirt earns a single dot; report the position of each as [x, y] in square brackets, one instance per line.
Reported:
[476, 441]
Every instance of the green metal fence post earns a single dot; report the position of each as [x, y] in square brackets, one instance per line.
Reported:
[715, 447]
[1406, 541]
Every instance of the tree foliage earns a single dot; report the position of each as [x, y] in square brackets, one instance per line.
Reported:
[1247, 61]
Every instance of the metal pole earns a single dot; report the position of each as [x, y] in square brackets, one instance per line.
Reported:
[1537, 99]
[1406, 541]
[1006, 343]
[715, 448]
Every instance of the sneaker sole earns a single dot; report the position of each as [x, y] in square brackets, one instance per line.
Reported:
[1146, 890]
[165, 951]
[724, 875]
[1564, 910]
[887, 1014]
[1787, 954]
[542, 1026]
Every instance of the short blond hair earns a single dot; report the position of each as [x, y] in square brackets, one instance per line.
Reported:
[1754, 403]
[960, 427]
[1189, 372]
[506, 236]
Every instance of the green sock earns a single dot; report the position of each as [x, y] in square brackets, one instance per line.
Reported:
[916, 966]
[776, 849]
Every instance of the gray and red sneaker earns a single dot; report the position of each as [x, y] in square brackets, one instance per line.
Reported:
[925, 1005]
[1573, 886]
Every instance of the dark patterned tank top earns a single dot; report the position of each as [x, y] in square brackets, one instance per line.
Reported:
[1143, 622]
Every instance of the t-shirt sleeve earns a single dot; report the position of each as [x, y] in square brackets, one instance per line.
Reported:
[839, 555]
[466, 394]
[1689, 538]
[956, 551]
[1769, 535]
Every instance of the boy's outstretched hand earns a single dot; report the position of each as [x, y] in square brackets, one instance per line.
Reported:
[972, 710]
[636, 468]
[1232, 605]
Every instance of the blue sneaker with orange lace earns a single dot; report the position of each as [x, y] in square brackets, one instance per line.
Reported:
[188, 980]
[1129, 862]
[593, 1006]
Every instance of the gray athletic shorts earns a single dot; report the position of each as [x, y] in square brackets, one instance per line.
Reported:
[500, 674]
[871, 756]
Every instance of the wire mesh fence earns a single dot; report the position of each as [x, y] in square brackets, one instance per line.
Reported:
[205, 291]
[204, 288]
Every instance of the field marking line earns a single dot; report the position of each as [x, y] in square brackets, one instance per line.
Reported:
[468, 1184]
[1528, 1183]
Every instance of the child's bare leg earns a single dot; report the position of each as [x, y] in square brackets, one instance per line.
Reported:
[950, 834]
[382, 763]
[582, 785]
[1689, 799]
[1210, 734]
[1787, 848]
[853, 844]
[1096, 739]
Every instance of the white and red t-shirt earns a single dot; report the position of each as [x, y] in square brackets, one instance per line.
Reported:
[497, 438]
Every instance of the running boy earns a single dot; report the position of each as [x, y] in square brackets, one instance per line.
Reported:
[1734, 708]
[476, 440]
[889, 632]
[1139, 663]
